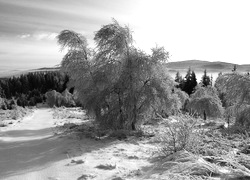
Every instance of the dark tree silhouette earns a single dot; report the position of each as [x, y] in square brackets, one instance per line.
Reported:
[190, 82]
[205, 80]
[29, 89]
[179, 80]
[234, 68]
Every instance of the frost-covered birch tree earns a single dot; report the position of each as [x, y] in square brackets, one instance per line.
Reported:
[116, 83]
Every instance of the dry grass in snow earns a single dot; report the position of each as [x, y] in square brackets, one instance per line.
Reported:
[76, 148]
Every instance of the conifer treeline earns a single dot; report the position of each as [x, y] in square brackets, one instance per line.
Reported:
[29, 89]
[189, 82]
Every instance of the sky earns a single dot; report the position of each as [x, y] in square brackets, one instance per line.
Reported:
[212, 30]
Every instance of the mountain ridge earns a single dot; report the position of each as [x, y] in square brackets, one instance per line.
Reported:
[200, 65]
[182, 66]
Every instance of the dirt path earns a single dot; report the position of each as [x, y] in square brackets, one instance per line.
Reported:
[36, 126]
[30, 150]
[30, 146]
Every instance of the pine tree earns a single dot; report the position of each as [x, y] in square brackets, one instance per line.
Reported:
[205, 80]
[234, 68]
[211, 78]
[190, 82]
[32, 86]
[178, 77]
[179, 80]
[193, 80]
[25, 84]
[1, 91]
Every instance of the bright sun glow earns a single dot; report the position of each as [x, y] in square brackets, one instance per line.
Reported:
[204, 30]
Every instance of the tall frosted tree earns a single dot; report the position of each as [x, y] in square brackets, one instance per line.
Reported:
[235, 89]
[116, 83]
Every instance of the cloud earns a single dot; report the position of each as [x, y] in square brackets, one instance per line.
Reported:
[29, 53]
[24, 36]
[39, 36]
[187, 29]
[45, 36]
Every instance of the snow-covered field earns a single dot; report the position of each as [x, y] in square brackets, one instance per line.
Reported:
[52, 144]
[31, 150]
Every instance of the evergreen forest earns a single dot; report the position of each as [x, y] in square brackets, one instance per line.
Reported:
[30, 89]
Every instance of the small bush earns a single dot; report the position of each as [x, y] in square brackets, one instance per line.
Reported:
[238, 129]
[19, 112]
[54, 98]
[179, 135]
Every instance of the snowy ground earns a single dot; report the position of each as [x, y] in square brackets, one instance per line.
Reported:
[41, 147]
[31, 150]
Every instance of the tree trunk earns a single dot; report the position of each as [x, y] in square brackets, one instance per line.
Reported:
[98, 113]
[121, 118]
[131, 113]
[133, 126]
[205, 115]
[134, 115]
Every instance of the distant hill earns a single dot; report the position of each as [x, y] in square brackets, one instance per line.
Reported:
[173, 67]
[198, 65]
[7, 74]
[48, 69]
